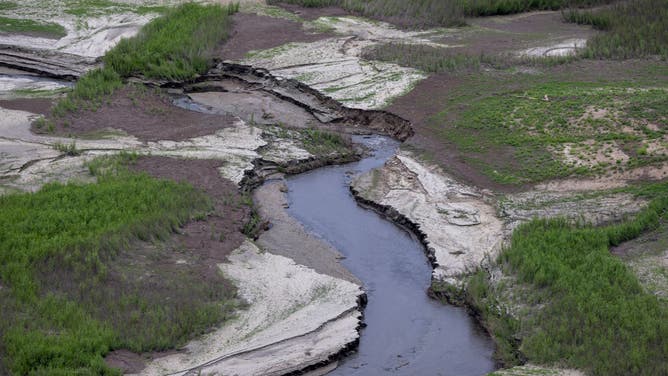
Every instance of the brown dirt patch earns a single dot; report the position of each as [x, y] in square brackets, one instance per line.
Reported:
[253, 32]
[314, 13]
[218, 235]
[146, 114]
[35, 105]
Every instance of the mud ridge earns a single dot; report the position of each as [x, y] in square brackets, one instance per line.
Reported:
[46, 63]
[324, 108]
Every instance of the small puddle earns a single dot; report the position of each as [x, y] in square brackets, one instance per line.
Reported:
[408, 333]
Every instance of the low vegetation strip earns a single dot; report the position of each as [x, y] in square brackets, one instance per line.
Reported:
[633, 28]
[65, 299]
[26, 26]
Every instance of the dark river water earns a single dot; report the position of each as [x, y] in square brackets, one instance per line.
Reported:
[408, 333]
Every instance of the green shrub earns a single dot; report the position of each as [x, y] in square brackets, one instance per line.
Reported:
[596, 316]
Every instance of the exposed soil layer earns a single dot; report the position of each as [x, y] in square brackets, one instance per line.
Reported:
[198, 247]
[315, 12]
[220, 233]
[273, 31]
[511, 33]
[34, 105]
[143, 113]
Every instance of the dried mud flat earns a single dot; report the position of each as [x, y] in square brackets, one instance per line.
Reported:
[145, 114]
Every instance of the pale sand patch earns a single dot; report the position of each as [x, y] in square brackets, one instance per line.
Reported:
[461, 229]
[295, 317]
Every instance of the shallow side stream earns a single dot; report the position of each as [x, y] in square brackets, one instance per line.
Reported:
[408, 333]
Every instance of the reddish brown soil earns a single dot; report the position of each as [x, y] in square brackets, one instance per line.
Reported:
[513, 33]
[204, 237]
[143, 113]
[252, 32]
[314, 13]
[35, 105]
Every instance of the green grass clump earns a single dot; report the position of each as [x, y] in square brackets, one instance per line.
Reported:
[427, 58]
[8, 5]
[596, 316]
[634, 28]
[15, 25]
[63, 305]
[517, 137]
[178, 46]
[319, 142]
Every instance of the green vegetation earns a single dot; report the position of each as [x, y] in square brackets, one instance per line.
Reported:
[177, 46]
[26, 26]
[634, 28]
[560, 129]
[424, 57]
[584, 308]
[8, 5]
[92, 8]
[75, 280]
[68, 149]
[319, 142]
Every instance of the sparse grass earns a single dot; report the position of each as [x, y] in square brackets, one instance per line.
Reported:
[427, 58]
[26, 26]
[72, 289]
[633, 28]
[319, 142]
[439, 12]
[68, 149]
[529, 131]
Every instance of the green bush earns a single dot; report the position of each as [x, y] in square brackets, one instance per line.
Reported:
[596, 316]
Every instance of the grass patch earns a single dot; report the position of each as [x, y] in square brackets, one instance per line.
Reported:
[634, 28]
[8, 5]
[560, 129]
[582, 308]
[178, 46]
[69, 294]
[25, 26]
[597, 317]
[319, 142]
[426, 58]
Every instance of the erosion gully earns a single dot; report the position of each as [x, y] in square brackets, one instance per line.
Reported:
[407, 333]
